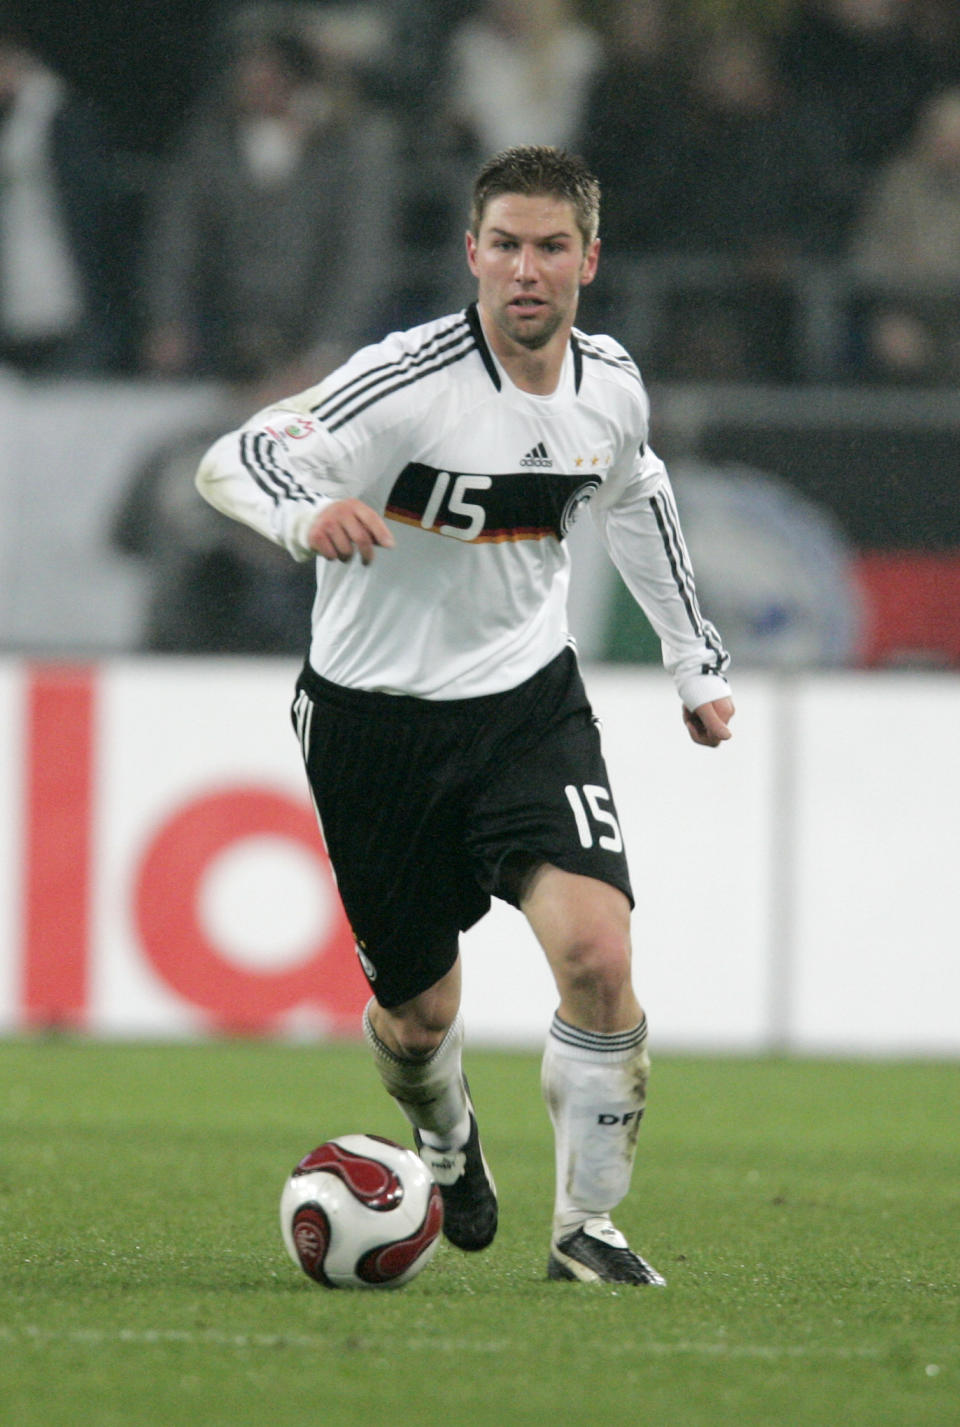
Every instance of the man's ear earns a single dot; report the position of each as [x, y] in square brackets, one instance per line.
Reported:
[591, 258]
[471, 252]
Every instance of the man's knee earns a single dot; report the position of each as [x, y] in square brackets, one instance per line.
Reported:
[415, 1029]
[596, 965]
[413, 1037]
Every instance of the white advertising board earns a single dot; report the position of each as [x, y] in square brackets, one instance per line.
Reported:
[162, 875]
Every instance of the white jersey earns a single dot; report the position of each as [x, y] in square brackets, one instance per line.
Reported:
[481, 482]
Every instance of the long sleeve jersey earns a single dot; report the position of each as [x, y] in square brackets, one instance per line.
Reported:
[480, 482]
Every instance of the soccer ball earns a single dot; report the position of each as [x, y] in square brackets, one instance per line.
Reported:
[361, 1212]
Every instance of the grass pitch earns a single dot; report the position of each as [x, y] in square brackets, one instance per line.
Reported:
[806, 1215]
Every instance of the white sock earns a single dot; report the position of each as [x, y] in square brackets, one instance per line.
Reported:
[595, 1088]
[430, 1092]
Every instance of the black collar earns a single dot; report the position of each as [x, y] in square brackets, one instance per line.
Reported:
[476, 327]
[577, 362]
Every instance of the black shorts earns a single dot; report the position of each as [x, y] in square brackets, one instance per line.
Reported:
[430, 807]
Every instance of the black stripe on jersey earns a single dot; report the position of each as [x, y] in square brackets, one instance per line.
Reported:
[683, 576]
[387, 369]
[577, 361]
[348, 401]
[517, 505]
[670, 531]
[398, 386]
[476, 327]
[622, 364]
[258, 452]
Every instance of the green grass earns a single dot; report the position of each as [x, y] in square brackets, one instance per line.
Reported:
[806, 1215]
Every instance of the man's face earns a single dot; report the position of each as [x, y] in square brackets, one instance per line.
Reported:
[529, 262]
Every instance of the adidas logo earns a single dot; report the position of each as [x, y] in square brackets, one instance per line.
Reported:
[537, 457]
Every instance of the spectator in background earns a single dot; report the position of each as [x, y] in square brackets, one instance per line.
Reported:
[252, 257]
[57, 307]
[753, 173]
[861, 66]
[905, 247]
[631, 120]
[753, 185]
[519, 73]
[407, 71]
[935, 28]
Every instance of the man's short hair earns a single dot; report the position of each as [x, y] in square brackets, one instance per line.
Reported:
[536, 170]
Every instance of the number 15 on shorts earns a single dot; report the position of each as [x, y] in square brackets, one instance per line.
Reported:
[589, 813]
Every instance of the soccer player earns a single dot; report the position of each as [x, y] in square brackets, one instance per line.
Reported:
[450, 747]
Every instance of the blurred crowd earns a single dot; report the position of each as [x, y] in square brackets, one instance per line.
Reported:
[241, 193]
[313, 192]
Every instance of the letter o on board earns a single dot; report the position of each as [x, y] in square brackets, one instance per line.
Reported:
[167, 897]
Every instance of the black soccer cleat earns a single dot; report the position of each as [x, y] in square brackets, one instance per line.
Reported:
[598, 1253]
[467, 1189]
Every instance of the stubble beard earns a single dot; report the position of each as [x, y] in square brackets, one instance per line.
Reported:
[531, 341]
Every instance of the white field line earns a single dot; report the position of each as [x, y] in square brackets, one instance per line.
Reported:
[211, 1337]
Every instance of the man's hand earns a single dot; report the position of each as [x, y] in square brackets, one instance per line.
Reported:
[709, 724]
[345, 527]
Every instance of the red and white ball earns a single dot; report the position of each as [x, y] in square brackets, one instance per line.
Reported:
[361, 1212]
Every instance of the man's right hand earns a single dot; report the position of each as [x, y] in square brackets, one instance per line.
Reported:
[348, 526]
